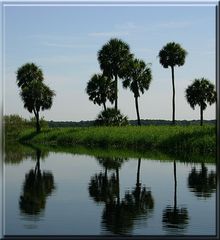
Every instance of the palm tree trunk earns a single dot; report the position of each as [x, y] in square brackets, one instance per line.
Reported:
[104, 106]
[118, 188]
[137, 110]
[175, 184]
[201, 116]
[37, 123]
[36, 113]
[172, 70]
[116, 92]
[37, 167]
[138, 173]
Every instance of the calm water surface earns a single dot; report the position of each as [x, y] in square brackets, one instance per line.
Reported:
[63, 193]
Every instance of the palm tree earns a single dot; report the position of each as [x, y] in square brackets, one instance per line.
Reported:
[34, 93]
[201, 92]
[120, 215]
[137, 78]
[112, 57]
[202, 183]
[37, 96]
[172, 55]
[37, 187]
[100, 89]
[175, 218]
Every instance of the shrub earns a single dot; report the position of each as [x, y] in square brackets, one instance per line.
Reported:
[111, 117]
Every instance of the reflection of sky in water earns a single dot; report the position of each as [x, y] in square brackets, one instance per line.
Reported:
[70, 209]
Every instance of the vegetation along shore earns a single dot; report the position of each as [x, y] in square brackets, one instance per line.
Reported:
[173, 139]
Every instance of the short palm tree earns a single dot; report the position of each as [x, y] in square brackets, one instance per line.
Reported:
[201, 92]
[138, 78]
[172, 55]
[37, 96]
[100, 89]
[112, 57]
[34, 93]
[111, 117]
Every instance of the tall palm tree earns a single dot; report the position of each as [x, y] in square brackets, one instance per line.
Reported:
[175, 218]
[112, 57]
[201, 92]
[100, 89]
[137, 77]
[172, 55]
[120, 215]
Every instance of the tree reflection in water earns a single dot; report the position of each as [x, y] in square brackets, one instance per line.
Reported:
[37, 186]
[119, 215]
[202, 183]
[175, 218]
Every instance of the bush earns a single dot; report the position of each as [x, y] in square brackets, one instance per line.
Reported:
[111, 117]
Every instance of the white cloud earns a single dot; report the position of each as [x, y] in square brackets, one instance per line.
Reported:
[129, 26]
[108, 34]
[66, 45]
[175, 25]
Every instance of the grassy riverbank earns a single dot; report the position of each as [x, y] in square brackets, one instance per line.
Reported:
[176, 139]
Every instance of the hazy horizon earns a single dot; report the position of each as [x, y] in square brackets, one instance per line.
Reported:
[64, 42]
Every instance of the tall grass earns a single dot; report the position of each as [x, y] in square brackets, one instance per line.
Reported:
[175, 139]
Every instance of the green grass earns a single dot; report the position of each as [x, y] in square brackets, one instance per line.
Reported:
[173, 139]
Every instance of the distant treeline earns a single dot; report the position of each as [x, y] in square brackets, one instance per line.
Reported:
[158, 122]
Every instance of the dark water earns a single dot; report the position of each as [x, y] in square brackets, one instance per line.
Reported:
[77, 194]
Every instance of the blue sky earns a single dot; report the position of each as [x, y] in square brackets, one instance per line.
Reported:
[64, 42]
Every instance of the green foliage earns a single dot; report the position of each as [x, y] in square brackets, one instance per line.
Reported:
[171, 139]
[14, 125]
[113, 56]
[172, 54]
[34, 93]
[100, 89]
[201, 92]
[27, 73]
[111, 117]
[37, 96]
[137, 76]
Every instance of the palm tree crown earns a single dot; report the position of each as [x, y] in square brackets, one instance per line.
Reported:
[137, 77]
[201, 92]
[113, 56]
[172, 55]
[27, 73]
[100, 89]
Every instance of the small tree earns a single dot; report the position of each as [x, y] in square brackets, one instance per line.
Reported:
[137, 78]
[201, 92]
[111, 117]
[34, 93]
[100, 89]
[172, 55]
